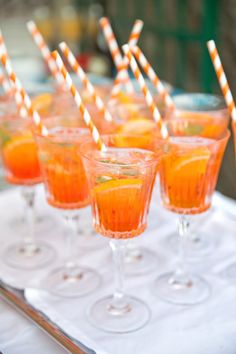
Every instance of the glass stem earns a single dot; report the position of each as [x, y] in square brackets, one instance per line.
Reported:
[119, 304]
[181, 278]
[28, 194]
[71, 222]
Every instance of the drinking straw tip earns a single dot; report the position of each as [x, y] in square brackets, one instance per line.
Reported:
[139, 24]
[211, 44]
[62, 45]
[31, 25]
[103, 20]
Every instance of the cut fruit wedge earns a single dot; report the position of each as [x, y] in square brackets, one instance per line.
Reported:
[196, 160]
[42, 103]
[116, 184]
[137, 126]
[140, 127]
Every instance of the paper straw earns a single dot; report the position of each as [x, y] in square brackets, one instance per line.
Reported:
[152, 76]
[41, 44]
[115, 52]
[222, 78]
[20, 94]
[18, 97]
[85, 114]
[149, 99]
[133, 39]
[85, 81]
[5, 83]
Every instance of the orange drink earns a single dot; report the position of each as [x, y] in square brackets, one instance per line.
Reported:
[21, 168]
[19, 152]
[188, 176]
[132, 116]
[189, 172]
[66, 189]
[201, 114]
[62, 169]
[120, 182]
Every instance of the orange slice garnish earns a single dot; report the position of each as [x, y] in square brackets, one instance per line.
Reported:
[196, 160]
[42, 103]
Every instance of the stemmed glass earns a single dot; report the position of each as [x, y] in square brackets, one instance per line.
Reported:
[188, 176]
[204, 115]
[133, 116]
[21, 168]
[67, 191]
[121, 182]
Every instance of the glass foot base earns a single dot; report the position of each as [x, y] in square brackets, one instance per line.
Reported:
[194, 292]
[72, 282]
[196, 247]
[131, 317]
[30, 256]
[138, 261]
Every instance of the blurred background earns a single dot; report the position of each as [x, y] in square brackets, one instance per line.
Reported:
[174, 40]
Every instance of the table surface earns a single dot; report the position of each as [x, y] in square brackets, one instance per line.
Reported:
[206, 329]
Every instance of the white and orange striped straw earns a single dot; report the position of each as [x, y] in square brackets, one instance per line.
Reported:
[222, 78]
[20, 94]
[85, 114]
[115, 52]
[46, 54]
[5, 83]
[149, 99]
[147, 68]
[85, 81]
[133, 39]
[18, 97]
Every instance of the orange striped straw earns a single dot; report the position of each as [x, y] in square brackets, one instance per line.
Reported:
[152, 76]
[41, 44]
[85, 81]
[18, 97]
[149, 99]
[20, 94]
[133, 39]
[115, 52]
[85, 114]
[5, 83]
[222, 78]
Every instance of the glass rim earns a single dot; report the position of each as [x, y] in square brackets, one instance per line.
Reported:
[55, 135]
[211, 141]
[222, 104]
[84, 152]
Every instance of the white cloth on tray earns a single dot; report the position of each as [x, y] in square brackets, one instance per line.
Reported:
[209, 328]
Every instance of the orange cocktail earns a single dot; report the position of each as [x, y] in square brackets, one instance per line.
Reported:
[21, 168]
[189, 172]
[66, 188]
[120, 182]
[201, 114]
[133, 116]
[62, 169]
[188, 176]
